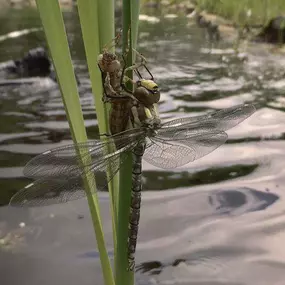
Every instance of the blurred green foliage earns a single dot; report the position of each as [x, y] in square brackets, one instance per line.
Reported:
[245, 11]
[239, 11]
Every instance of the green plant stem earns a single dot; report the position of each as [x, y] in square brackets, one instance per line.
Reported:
[53, 25]
[122, 276]
[106, 18]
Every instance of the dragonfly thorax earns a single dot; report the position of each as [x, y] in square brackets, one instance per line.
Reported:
[152, 132]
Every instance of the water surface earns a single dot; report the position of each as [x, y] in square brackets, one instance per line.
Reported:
[217, 221]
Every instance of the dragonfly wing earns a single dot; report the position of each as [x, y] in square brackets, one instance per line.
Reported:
[203, 144]
[180, 151]
[66, 161]
[221, 120]
[47, 191]
[168, 155]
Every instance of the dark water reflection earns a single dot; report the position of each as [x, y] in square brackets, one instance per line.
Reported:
[221, 220]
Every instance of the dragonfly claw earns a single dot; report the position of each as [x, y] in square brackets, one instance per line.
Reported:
[105, 99]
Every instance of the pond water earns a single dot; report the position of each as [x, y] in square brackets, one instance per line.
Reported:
[219, 220]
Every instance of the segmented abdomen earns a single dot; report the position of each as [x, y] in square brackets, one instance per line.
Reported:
[135, 203]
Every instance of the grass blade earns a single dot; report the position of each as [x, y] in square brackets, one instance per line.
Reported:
[58, 46]
[106, 18]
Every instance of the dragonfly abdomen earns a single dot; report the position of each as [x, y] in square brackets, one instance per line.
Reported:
[135, 203]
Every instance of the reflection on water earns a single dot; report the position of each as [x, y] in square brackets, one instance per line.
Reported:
[163, 180]
[245, 199]
[221, 219]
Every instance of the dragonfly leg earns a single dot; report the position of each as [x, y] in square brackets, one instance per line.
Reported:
[109, 94]
[142, 63]
[131, 265]
[151, 76]
[123, 76]
[135, 66]
[104, 79]
[105, 135]
[109, 91]
[113, 42]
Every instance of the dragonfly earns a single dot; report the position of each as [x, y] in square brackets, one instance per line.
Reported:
[146, 92]
[133, 107]
[172, 144]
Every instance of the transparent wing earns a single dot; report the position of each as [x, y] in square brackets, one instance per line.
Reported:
[182, 150]
[60, 171]
[216, 121]
[65, 162]
[47, 191]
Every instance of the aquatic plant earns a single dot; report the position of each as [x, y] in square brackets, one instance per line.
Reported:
[97, 25]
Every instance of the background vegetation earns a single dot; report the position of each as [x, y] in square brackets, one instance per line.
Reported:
[254, 12]
[241, 11]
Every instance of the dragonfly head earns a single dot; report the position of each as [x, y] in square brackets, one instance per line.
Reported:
[147, 92]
